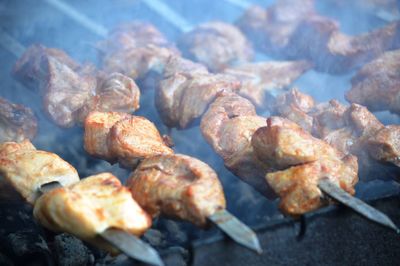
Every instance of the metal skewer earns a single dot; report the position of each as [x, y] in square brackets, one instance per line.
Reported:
[236, 230]
[130, 245]
[356, 205]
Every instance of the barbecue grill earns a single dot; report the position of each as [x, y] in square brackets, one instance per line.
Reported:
[331, 236]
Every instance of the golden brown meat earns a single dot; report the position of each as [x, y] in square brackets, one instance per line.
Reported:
[259, 79]
[69, 90]
[228, 46]
[178, 186]
[17, 122]
[122, 137]
[134, 49]
[305, 160]
[90, 207]
[26, 169]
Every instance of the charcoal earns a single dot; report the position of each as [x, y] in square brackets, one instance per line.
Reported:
[71, 251]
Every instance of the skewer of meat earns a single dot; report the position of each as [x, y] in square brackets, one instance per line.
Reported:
[229, 125]
[175, 185]
[293, 30]
[351, 129]
[95, 206]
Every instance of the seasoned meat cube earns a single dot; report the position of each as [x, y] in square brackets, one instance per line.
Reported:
[135, 138]
[135, 49]
[17, 122]
[229, 46]
[70, 91]
[97, 128]
[385, 145]
[26, 168]
[122, 137]
[90, 207]
[115, 92]
[295, 106]
[328, 117]
[305, 161]
[182, 98]
[178, 186]
[377, 84]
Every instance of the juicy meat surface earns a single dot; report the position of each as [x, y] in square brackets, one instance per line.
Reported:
[184, 96]
[26, 169]
[377, 84]
[69, 90]
[90, 207]
[259, 79]
[304, 161]
[228, 46]
[385, 145]
[123, 138]
[177, 186]
[294, 30]
[17, 122]
[134, 49]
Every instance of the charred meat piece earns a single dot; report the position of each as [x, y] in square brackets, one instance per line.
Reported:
[293, 30]
[259, 79]
[184, 96]
[122, 137]
[228, 46]
[177, 186]
[70, 91]
[26, 169]
[305, 160]
[17, 122]
[377, 84]
[90, 207]
[134, 49]
[228, 126]
[385, 145]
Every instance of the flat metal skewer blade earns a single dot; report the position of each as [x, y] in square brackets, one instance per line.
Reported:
[356, 204]
[169, 14]
[79, 17]
[129, 244]
[132, 246]
[236, 230]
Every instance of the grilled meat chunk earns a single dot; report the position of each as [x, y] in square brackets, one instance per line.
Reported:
[294, 30]
[70, 91]
[377, 84]
[90, 207]
[184, 96]
[384, 146]
[26, 169]
[134, 49]
[17, 122]
[305, 160]
[178, 186]
[122, 137]
[228, 126]
[229, 46]
[264, 78]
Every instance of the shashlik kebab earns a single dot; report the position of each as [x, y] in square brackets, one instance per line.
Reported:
[291, 29]
[230, 124]
[70, 90]
[175, 185]
[350, 129]
[95, 206]
[17, 122]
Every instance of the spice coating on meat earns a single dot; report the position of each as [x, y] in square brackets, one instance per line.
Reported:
[90, 207]
[26, 168]
[377, 84]
[177, 186]
[17, 122]
[228, 46]
[385, 145]
[70, 91]
[122, 137]
[305, 161]
[259, 79]
[134, 49]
